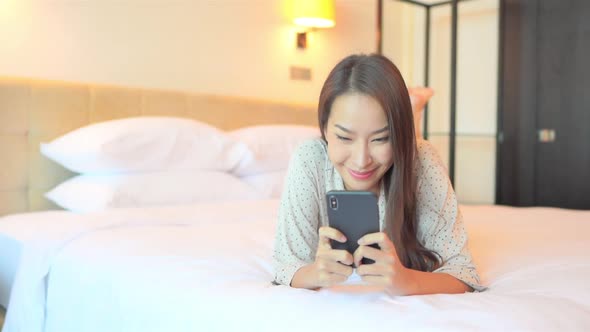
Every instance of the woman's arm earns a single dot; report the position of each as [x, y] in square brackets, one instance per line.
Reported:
[396, 279]
[330, 266]
[303, 257]
[306, 277]
[434, 283]
[441, 225]
[440, 222]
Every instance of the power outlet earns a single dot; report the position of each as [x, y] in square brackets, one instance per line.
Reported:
[300, 73]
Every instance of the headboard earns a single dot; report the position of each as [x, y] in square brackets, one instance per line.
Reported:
[34, 111]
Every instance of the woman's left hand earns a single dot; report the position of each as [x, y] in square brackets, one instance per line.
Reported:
[387, 271]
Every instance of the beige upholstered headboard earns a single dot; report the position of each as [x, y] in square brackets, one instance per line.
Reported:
[34, 111]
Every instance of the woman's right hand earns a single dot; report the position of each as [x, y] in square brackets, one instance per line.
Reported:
[331, 266]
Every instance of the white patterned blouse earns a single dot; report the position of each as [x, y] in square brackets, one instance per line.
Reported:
[303, 210]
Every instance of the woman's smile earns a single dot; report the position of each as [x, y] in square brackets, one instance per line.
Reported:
[361, 175]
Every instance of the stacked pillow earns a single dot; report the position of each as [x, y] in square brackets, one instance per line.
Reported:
[147, 161]
[89, 192]
[157, 161]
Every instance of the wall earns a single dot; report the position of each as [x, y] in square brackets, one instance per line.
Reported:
[245, 48]
[229, 47]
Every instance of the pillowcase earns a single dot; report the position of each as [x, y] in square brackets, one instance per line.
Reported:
[270, 146]
[87, 193]
[145, 144]
[268, 185]
[419, 96]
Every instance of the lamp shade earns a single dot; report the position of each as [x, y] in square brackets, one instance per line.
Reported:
[314, 13]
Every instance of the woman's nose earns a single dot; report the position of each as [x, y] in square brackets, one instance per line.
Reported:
[362, 157]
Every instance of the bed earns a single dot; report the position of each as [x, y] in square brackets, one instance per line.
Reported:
[207, 265]
[34, 111]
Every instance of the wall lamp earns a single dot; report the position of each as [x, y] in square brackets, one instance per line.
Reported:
[312, 14]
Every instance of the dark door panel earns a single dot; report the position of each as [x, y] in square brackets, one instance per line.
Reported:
[545, 80]
[563, 87]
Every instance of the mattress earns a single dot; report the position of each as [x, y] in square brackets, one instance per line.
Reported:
[208, 267]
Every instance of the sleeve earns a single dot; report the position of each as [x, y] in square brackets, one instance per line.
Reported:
[440, 221]
[296, 237]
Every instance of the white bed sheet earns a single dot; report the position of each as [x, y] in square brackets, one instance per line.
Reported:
[9, 256]
[17, 229]
[207, 268]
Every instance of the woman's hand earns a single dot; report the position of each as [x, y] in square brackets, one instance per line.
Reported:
[387, 271]
[331, 266]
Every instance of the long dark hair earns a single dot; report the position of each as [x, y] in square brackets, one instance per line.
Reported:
[376, 76]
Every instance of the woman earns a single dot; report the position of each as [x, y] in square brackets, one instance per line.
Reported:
[368, 143]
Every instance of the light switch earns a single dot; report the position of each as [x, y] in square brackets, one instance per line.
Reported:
[300, 73]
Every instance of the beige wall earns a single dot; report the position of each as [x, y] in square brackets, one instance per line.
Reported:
[228, 47]
[245, 48]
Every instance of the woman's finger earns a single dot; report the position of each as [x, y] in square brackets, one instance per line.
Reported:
[335, 268]
[381, 239]
[327, 233]
[370, 270]
[372, 253]
[332, 255]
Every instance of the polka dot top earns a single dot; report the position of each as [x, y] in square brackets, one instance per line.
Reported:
[303, 211]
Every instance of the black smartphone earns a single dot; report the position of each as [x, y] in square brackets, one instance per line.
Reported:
[355, 214]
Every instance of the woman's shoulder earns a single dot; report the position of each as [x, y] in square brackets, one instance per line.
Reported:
[427, 154]
[310, 155]
[308, 162]
[314, 149]
[428, 162]
[432, 177]
[425, 148]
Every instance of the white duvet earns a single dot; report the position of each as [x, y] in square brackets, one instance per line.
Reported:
[208, 268]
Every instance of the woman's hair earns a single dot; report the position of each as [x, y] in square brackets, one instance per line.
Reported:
[377, 77]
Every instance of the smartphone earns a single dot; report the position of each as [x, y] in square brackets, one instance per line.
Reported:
[355, 214]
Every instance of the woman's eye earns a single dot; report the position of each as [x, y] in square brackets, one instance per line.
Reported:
[381, 139]
[342, 138]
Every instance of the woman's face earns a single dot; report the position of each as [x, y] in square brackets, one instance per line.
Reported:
[359, 145]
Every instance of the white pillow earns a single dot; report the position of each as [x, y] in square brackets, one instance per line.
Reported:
[268, 185]
[271, 146]
[145, 144]
[87, 193]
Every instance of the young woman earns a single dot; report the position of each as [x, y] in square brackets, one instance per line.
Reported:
[368, 143]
